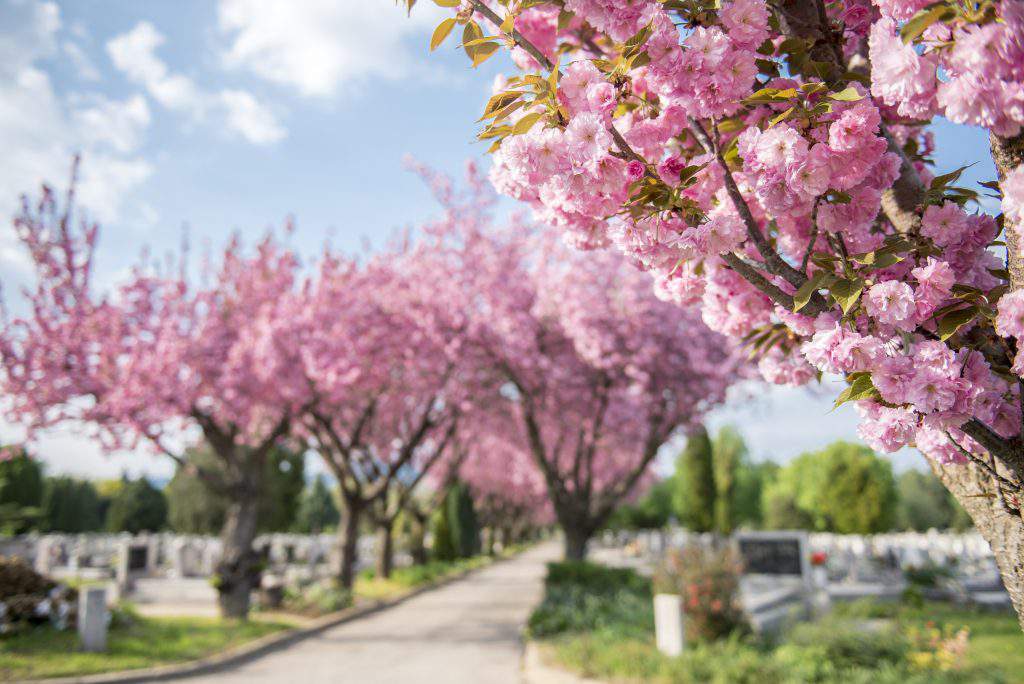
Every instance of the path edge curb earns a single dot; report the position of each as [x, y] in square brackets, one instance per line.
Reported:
[259, 647]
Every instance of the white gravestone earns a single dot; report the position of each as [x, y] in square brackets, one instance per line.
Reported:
[669, 632]
[92, 619]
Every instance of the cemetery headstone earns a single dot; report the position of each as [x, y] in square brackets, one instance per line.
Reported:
[669, 634]
[776, 585]
[92, 619]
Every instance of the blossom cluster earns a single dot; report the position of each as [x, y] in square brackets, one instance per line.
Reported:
[761, 174]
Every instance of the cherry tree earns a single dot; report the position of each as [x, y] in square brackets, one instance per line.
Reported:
[509, 493]
[773, 161]
[597, 371]
[382, 374]
[158, 360]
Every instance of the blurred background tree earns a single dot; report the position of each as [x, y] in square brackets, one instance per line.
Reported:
[844, 488]
[695, 491]
[21, 491]
[194, 509]
[317, 510]
[925, 504]
[69, 505]
[137, 507]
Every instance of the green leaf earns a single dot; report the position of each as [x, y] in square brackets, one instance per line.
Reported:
[861, 387]
[807, 290]
[526, 123]
[920, 22]
[689, 172]
[846, 292]
[947, 178]
[953, 321]
[781, 117]
[848, 94]
[441, 32]
[499, 102]
[470, 33]
[769, 95]
[447, 3]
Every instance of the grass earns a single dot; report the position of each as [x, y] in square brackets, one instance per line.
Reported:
[599, 623]
[370, 587]
[133, 642]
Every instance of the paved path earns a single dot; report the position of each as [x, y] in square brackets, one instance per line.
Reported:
[467, 631]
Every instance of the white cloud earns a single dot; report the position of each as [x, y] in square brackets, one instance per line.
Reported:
[40, 131]
[87, 70]
[320, 46]
[250, 118]
[134, 54]
[120, 124]
[31, 34]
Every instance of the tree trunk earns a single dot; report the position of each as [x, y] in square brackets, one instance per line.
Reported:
[1003, 529]
[385, 549]
[576, 538]
[239, 567]
[489, 540]
[348, 544]
[418, 538]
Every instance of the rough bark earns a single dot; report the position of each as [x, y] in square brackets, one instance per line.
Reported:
[1001, 527]
[347, 544]
[1008, 154]
[238, 569]
[385, 549]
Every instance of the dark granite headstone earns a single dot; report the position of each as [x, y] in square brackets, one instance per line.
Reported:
[765, 556]
[138, 558]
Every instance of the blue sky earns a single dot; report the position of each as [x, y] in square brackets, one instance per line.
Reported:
[235, 114]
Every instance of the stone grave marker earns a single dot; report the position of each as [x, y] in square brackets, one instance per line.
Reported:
[92, 619]
[669, 634]
[776, 585]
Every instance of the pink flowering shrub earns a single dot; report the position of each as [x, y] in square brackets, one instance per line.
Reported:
[707, 580]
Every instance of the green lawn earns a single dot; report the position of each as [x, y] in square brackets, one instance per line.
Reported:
[996, 644]
[134, 642]
[368, 586]
[599, 622]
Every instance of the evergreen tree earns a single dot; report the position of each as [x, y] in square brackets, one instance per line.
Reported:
[69, 505]
[317, 510]
[462, 521]
[21, 492]
[137, 507]
[695, 494]
[729, 453]
[442, 549]
[751, 479]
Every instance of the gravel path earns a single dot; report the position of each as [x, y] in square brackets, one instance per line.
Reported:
[467, 631]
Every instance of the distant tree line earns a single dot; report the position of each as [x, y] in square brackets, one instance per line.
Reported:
[844, 488]
[32, 501]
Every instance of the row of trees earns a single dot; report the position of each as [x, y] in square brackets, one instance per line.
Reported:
[490, 355]
[844, 488]
[32, 501]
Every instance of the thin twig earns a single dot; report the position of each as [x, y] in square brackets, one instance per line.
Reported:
[814, 236]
